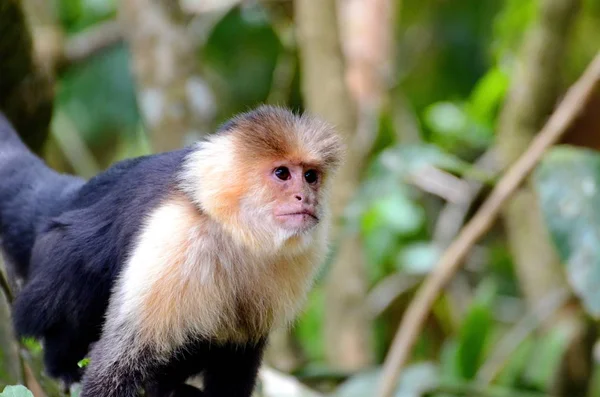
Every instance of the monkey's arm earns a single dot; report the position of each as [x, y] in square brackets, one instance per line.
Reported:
[65, 298]
[233, 362]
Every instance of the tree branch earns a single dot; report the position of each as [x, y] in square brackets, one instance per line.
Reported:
[58, 52]
[5, 287]
[570, 108]
[82, 46]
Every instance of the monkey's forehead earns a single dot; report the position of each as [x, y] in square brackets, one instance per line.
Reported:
[271, 131]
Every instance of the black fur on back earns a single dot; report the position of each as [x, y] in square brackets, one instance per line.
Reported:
[68, 239]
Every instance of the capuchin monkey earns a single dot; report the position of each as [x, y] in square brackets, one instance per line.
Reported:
[170, 265]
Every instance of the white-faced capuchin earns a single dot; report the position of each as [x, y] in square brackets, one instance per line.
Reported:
[170, 265]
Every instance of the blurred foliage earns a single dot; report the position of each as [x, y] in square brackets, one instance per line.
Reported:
[97, 108]
[568, 182]
[240, 56]
[452, 71]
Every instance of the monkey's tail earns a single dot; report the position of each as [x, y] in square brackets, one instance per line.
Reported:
[30, 192]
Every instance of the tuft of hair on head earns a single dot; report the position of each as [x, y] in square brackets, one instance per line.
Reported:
[276, 132]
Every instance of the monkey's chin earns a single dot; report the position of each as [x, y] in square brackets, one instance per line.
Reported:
[297, 223]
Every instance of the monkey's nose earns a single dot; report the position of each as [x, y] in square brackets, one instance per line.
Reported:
[299, 197]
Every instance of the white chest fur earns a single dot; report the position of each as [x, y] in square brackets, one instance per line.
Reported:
[186, 278]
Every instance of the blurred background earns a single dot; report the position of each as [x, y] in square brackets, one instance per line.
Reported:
[435, 98]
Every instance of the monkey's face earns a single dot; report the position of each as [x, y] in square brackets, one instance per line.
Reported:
[264, 178]
[295, 190]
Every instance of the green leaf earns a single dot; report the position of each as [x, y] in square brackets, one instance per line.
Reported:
[546, 361]
[487, 96]
[475, 330]
[510, 24]
[450, 372]
[379, 245]
[416, 380]
[310, 323]
[99, 107]
[518, 363]
[83, 363]
[241, 54]
[396, 212]
[16, 391]
[418, 258]
[568, 185]
[454, 127]
[446, 118]
[32, 344]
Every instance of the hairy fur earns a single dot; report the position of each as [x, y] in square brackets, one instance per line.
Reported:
[172, 264]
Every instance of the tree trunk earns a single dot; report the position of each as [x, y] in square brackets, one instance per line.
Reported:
[347, 326]
[26, 88]
[532, 97]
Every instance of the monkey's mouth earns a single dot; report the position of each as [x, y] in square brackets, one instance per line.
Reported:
[310, 214]
[298, 220]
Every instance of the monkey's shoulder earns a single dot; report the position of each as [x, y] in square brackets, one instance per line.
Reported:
[97, 225]
[132, 179]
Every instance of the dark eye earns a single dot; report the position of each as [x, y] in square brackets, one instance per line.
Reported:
[311, 176]
[282, 173]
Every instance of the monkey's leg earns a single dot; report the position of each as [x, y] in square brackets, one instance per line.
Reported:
[232, 371]
[111, 384]
[114, 371]
[168, 380]
[63, 349]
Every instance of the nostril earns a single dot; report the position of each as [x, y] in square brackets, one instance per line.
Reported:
[298, 197]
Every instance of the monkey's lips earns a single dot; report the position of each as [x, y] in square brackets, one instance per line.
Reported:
[300, 219]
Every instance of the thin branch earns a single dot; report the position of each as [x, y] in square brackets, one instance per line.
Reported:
[453, 215]
[5, 287]
[386, 291]
[440, 183]
[73, 147]
[58, 52]
[569, 109]
[90, 42]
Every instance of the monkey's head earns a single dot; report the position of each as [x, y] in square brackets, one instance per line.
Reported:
[265, 177]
